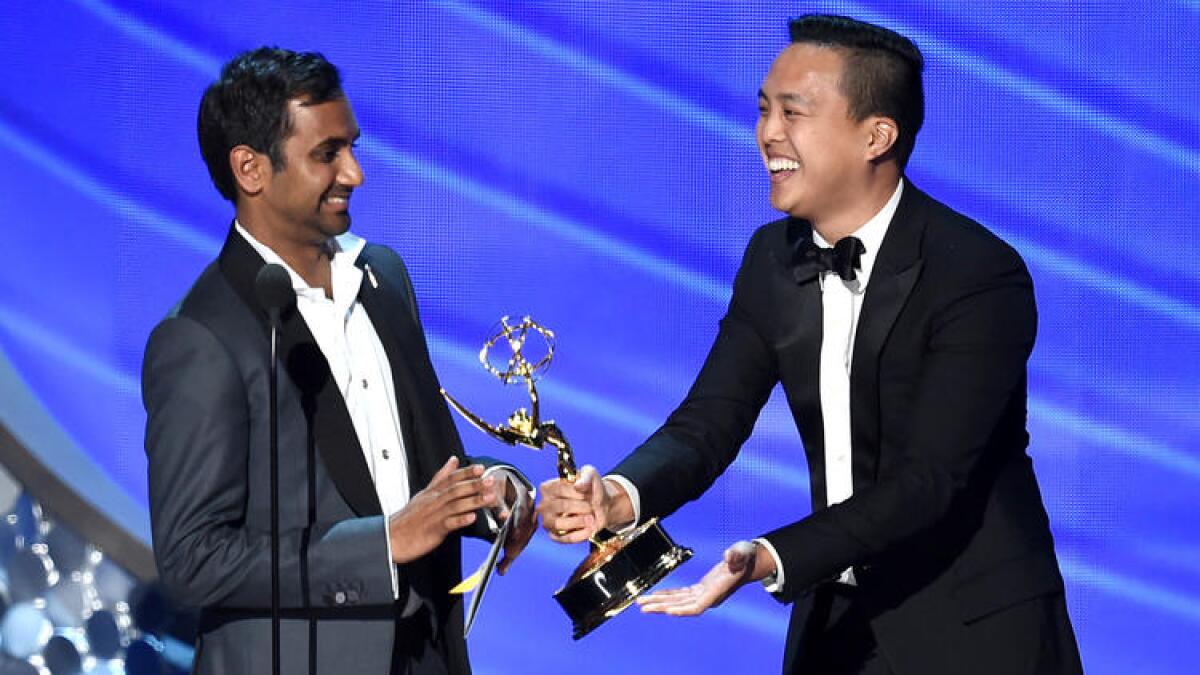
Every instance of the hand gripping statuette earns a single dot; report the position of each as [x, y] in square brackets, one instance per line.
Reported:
[619, 567]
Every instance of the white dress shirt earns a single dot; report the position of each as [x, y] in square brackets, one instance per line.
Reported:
[841, 304]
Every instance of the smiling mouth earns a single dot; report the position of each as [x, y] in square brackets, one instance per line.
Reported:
[781, 168]
[338, 201]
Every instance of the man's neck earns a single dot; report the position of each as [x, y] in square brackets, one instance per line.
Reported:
[869, 202]
[310, 259]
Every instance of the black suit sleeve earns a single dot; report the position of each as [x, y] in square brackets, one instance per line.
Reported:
[702, 437]
[197, 444]
[972, 375]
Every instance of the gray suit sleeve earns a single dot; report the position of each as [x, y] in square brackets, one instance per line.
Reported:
[197, 443]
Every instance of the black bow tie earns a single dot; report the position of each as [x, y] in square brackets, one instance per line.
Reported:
[811, 259]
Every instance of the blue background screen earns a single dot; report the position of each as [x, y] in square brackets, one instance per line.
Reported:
[593, 165]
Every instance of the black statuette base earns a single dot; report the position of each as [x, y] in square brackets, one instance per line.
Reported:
[616, 572]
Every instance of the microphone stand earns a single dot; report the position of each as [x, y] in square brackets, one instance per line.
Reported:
[274, 416]
[274, 290]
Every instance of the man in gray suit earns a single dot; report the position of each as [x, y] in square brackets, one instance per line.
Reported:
[375, 488]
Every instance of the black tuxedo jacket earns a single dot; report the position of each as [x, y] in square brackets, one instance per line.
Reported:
[946, 524]
[205, 388]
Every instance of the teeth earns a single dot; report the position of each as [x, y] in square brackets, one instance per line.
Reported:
[780, 164]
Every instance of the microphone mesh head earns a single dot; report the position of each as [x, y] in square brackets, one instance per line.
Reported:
[273, 286]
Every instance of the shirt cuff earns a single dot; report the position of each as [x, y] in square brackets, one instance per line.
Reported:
[635, 501]
[772, 583]
[519, 482]
[387, 537]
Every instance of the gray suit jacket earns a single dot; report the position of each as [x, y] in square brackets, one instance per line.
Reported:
[205, 387]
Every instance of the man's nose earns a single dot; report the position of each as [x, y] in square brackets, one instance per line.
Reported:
[770, 127]
[350, 173]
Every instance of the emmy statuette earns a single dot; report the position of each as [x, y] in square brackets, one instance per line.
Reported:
[618, 568]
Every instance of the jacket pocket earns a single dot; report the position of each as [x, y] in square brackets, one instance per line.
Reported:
[1007, 584]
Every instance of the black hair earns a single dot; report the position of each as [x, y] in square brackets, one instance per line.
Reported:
[247, 105]
[882, 75]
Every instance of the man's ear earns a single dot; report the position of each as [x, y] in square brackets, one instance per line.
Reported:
[251, 169]
[882, 134]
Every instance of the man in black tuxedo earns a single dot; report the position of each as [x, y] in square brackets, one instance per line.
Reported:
[375, 488]
[900, 331]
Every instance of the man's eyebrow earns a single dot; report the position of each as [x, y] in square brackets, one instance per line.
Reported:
[339, 141]
[788, 97]
[793, 97]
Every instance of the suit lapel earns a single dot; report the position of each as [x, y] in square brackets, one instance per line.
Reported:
[896, 271]
[329, 423]
[384, 300]
[800, 346]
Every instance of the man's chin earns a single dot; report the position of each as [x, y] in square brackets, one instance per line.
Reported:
[784, 203]
[338, 224]
[791, 203]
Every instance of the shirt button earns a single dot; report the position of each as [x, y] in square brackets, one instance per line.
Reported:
[386, 454]
[364, 384]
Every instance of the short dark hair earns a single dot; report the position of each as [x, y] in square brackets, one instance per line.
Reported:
[882, 75]
[247, 105]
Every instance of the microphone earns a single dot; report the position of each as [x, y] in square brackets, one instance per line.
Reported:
[273, 286]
